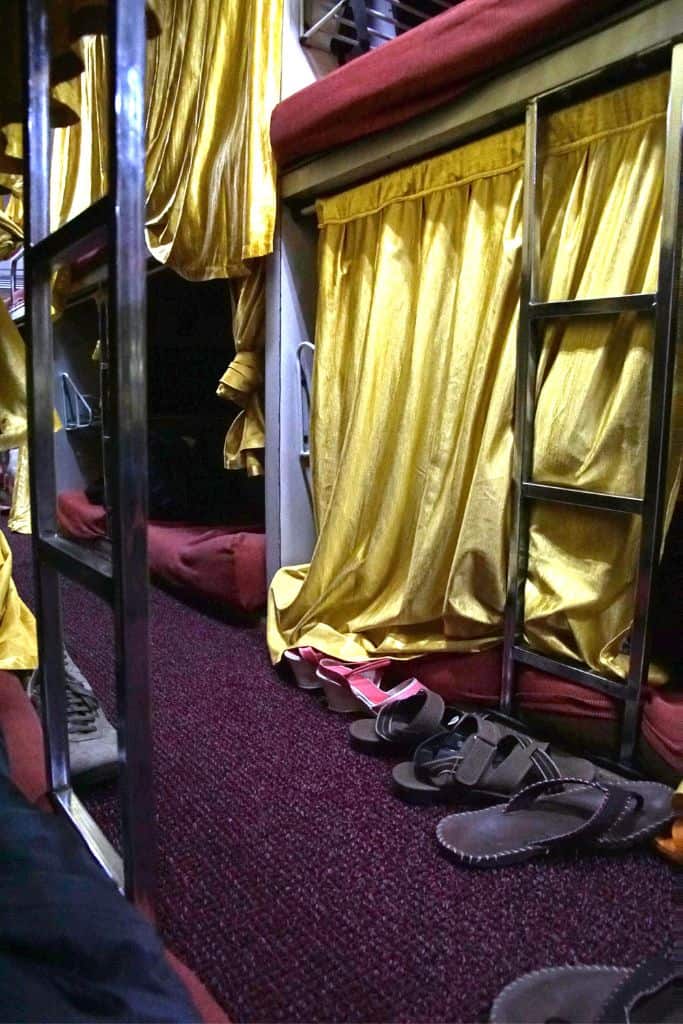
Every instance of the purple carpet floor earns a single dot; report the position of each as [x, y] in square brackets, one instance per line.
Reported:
[292, 881]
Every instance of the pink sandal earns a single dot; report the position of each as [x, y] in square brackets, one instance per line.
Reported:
[356, 688]
[303, 662]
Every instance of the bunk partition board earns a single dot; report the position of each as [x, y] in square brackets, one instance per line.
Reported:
[636, 45]
[118, 220]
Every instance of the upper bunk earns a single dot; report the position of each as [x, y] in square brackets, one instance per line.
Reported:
[466, 72]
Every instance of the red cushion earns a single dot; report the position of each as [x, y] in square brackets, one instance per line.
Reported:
[79, 518]
[420, 70]
[226, 564]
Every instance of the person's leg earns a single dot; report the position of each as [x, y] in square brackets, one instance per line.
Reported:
[73, 949]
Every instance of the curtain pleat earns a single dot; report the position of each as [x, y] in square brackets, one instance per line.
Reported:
[242, 382]
[411, 428]
[19, 518]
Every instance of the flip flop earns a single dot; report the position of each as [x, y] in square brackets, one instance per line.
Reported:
[400, 723]
[481, 756]
[593, 995]
[556, 815]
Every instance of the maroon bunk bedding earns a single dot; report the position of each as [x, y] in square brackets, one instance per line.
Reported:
[23, 737]
[221, 564]
[423, 69]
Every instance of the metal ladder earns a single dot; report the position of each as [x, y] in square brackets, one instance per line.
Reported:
[118, 220]
[663, 307]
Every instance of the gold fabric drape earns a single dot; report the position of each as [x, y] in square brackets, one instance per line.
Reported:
[18, 645]
[12, 383]
[411, 428]
[213, 77]
[13, 416]
[242, 382]
[19, 518]
[68, 22]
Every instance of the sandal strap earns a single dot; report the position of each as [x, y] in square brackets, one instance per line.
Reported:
[417, 715]
[648, 978]
[472, 764]
[615, 801]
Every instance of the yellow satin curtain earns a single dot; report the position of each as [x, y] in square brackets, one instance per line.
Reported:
[242, 382]
[12, 383]
[13, 416]
[213, 78]
[18, 645]
[19, 518]
[411, 429]
[68, 22]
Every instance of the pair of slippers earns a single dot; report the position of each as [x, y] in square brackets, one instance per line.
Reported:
[653, 991]
[548, 801]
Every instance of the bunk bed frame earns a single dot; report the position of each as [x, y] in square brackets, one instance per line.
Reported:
[637, 42]
[118, 220]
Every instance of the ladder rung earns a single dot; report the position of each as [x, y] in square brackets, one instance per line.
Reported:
[572, 672]
[90, 568]
[643, 301]
[600, 500]
[76, 238]
[98, 844]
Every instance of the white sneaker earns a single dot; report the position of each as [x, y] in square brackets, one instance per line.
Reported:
[93, 745]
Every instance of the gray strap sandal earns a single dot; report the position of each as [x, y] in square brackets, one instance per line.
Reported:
[556, 816]
[593, 995]
[482, 757]
[399, 724]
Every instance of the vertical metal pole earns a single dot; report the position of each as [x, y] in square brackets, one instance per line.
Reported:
[128, 369]
[525, 407]
[40, 375]
[667, 328]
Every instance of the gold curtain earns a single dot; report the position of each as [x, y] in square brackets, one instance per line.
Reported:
[242, 382]
[12, 383]
[13, 416]
[19, 518]
[213, 77]
[13, 422]
[68, 22]
[18, 646]
[411, 429]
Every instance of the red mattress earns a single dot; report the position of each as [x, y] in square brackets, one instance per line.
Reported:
[23, 737]
[583, 715]
[426, 67]
[221, 564]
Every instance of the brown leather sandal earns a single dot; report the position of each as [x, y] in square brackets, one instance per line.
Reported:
[483, 757]
[399, 724]
[556, 815]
